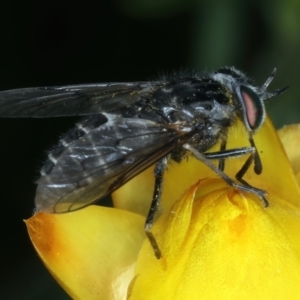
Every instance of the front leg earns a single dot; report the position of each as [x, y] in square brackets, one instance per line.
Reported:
[246, 187]
[257, 164]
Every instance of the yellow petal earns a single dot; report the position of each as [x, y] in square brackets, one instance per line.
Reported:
[290, 137]
[222, 246]
[136, 195]
[90, 252]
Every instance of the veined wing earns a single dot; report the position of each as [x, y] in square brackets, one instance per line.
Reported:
[103, 160]
[72, 100]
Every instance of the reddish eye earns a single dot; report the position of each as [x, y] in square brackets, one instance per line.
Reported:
[253, 109]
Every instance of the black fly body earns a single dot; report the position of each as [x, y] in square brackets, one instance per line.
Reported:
[127, 127]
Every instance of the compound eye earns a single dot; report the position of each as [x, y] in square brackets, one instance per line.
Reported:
[253, 109]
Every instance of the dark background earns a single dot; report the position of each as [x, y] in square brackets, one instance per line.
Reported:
[61, 42]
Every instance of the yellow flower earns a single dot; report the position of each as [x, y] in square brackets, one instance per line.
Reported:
[216, 242]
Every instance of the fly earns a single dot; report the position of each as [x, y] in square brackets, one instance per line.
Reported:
[126, 127]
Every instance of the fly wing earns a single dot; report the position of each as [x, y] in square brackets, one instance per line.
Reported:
[72, 100]
[104, 159]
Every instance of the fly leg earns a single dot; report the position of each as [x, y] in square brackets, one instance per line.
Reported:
[205, 158]
[257, 164]
[222, 155]
[254, 157]
[222, 160]
[159, 170]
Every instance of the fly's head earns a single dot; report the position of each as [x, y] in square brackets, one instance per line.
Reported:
[248, 99]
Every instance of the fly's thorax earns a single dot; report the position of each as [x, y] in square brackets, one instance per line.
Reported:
[192, 99]
[205, 136]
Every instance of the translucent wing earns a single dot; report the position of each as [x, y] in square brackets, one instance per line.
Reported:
[72, 100]
[103, 160]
